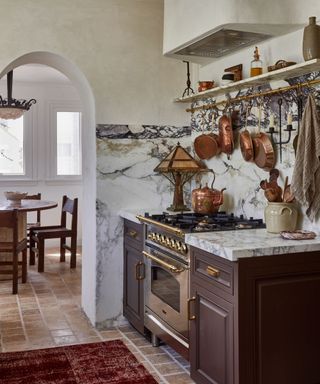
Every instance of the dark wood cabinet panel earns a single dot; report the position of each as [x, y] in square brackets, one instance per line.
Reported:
[211, 335]
[133, 277]
[264, 327]
[288, 330]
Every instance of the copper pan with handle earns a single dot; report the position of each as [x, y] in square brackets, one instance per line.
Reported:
[226, 134]
[206, 145]
[246, 144]
[264, 155]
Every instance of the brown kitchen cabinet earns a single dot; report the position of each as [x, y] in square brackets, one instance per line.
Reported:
[133, 274]
[256, 320]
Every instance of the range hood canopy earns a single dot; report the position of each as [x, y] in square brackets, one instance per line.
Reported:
[222, 42]
[227, 39]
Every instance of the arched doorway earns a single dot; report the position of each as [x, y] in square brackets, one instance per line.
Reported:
[82, 85]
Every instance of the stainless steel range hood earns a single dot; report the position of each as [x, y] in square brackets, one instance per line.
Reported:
[227, 39]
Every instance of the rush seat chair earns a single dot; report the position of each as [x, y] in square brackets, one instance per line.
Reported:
[14, 245]
[38, 235]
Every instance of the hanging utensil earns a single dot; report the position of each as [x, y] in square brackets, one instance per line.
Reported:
[246, 144]
[264, 156]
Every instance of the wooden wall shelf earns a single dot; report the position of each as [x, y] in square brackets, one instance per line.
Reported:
[280, 74]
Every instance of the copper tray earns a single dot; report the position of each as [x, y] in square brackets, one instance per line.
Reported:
[298, 235]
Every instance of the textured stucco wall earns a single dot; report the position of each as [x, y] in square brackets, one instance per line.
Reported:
[117, 46]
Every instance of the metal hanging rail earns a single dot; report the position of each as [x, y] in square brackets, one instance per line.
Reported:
[255, 95]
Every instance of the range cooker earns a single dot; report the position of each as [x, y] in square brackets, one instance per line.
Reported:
[167, 260]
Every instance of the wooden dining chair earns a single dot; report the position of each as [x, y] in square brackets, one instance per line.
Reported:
[13, 247]
[38, 235]
[33, 223]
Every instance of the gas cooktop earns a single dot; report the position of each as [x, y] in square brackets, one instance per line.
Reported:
[196, 222]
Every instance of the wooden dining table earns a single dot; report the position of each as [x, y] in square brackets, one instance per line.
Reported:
[23, 207]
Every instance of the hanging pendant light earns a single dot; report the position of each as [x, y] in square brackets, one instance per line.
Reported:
[11, 108]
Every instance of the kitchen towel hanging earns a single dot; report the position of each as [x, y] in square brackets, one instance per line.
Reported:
[306, 174]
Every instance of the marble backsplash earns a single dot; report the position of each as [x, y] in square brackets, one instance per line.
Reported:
[126, 157]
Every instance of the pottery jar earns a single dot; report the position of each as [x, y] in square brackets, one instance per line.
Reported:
[311, 40]
[280, 217]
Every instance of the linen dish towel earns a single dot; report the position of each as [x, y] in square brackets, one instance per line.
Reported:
[306, 174]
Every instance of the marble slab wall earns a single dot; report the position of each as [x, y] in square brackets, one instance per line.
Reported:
[127, 155]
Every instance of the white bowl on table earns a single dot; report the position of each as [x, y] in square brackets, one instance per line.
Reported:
[15, 197]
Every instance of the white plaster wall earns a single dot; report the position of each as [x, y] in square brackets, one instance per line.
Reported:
[45, 93]
[187, 19]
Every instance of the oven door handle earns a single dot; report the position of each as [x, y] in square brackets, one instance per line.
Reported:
[169, 266]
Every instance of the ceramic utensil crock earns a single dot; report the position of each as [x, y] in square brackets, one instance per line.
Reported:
[280, 217]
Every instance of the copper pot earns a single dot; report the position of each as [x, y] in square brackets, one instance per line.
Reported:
[207, 200]
[207, 146]
[246, 143]
[204, 85]
[264, 156]
[226, 135]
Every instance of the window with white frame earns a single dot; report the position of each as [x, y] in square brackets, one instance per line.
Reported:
[65, 142]
[16, 148]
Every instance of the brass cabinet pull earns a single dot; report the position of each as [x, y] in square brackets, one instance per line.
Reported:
[193, 317]
[133, 233]
[171, 267]
[138, 275]
[213, 271]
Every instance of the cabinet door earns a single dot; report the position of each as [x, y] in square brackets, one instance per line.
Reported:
[133, 302]
[211, 338]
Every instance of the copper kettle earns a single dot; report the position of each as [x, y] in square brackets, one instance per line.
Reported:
[207, 200]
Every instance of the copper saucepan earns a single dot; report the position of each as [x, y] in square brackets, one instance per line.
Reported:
[226, 135]
[264, 155]
[246, 144]
[207, 146]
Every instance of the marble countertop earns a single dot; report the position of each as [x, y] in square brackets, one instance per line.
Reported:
[232, 245]
[131, 214]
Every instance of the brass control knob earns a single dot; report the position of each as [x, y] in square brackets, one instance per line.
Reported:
[172, 243]
[179, 246]
[184, 248]
[150, 236]
[168, 242]
[158, 238]
[162, 239]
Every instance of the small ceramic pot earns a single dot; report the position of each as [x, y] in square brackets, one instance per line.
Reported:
[280, 217]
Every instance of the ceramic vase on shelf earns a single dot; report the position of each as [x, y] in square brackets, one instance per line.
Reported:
[281, 217]
[311, 40]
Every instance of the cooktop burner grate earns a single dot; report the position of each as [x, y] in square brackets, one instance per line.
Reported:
[195, 222]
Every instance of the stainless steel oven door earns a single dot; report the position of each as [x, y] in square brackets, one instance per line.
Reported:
[167, 289]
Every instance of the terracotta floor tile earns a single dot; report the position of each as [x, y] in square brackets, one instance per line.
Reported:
[47, 312]
[168, 368]
[62, 332]
[179, 378]
[160, 359]
[63, 340]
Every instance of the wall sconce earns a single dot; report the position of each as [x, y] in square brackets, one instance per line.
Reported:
[288, 129]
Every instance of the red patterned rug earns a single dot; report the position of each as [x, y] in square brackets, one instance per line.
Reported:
[97, 363]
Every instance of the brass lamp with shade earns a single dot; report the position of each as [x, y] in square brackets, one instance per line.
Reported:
[11, 108]
[179, 167]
